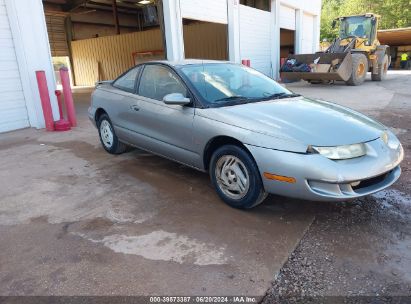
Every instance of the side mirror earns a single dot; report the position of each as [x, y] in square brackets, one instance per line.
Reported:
[176, 99]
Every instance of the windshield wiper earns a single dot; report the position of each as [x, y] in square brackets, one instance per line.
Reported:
[232, 98]
[280, 95]
[237, 99]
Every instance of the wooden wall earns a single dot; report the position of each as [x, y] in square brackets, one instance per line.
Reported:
[57, 35]
[205, 40]
[105, 58]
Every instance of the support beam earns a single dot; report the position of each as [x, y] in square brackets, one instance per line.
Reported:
[135, 27]
[69, 37]
[299, 13]
[122, 7]
[233, 31]
[115, 16]
[316, 34]
[73, 4]
[160, 13]
[104, 8]
[120, 4]
[275, 39]
[173, 25]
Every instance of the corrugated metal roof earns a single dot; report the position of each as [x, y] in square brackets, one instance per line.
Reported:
[395, 37]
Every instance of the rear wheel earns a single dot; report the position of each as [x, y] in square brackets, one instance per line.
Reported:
[359, 70]
[382, 70]
[108, 137]
[236, 178]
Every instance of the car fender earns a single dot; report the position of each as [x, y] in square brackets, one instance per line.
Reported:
[206, 129]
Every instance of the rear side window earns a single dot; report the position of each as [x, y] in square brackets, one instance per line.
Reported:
[127, 82]
[157, 81]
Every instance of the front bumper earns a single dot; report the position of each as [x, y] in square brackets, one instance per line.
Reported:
[321, 179]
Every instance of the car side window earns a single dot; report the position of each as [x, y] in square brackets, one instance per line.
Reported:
[157, 81]
[127, 81]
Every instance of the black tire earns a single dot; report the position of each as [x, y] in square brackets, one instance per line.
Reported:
[359, 70]
[116, 146]
[255, 193]
[382, 70]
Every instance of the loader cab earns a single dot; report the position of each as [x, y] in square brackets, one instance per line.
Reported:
[361, 26]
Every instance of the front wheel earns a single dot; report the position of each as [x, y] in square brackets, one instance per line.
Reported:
[359, 70]
[236, 178]
[382, 70]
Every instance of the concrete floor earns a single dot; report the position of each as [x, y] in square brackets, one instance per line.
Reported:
[75, 220]
[361, 248]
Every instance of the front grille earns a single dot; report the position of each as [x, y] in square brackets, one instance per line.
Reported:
[371, 181]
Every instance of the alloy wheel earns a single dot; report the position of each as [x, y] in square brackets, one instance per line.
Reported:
[232, 177]
[106, 134]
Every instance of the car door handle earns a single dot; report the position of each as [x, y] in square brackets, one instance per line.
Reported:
[135, 108]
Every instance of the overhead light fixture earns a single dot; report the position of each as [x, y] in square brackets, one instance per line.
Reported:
[144, 2]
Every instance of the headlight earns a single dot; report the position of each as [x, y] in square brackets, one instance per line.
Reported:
[340, 152]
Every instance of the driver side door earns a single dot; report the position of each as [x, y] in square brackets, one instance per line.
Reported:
[167, 129]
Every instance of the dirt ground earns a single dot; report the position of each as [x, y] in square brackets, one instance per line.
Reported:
[75, 220]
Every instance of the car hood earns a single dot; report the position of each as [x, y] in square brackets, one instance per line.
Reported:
[308, 121]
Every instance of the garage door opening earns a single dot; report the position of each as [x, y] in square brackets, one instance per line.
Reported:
[205, 40]
[287, 38]
[264, 5]
[100, 39]
[399, 41]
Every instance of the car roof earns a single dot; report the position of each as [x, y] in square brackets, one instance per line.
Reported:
[187, 62]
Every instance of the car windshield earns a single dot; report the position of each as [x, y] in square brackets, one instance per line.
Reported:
[359, 26]
[224, 84]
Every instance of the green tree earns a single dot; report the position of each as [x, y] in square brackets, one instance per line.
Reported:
[329, 11]
[394, 13]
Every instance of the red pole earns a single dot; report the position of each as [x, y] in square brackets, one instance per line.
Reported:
[45, 100]
[62, 124]
[58, 95]
[68, 96]
[246, 62]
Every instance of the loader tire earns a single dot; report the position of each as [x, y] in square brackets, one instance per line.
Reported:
[382, 70]
[359, 70]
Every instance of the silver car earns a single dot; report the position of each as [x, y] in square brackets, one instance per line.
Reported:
[252, 135]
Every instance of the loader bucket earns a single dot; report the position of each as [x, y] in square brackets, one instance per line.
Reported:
[341, 71]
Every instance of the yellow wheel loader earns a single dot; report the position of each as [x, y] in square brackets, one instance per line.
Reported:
[349, 57]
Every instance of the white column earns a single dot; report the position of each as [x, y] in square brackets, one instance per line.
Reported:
[173, 27]
[275, 39]
[299, 13]
[28, 27]
[316, 33]
[233, 31]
